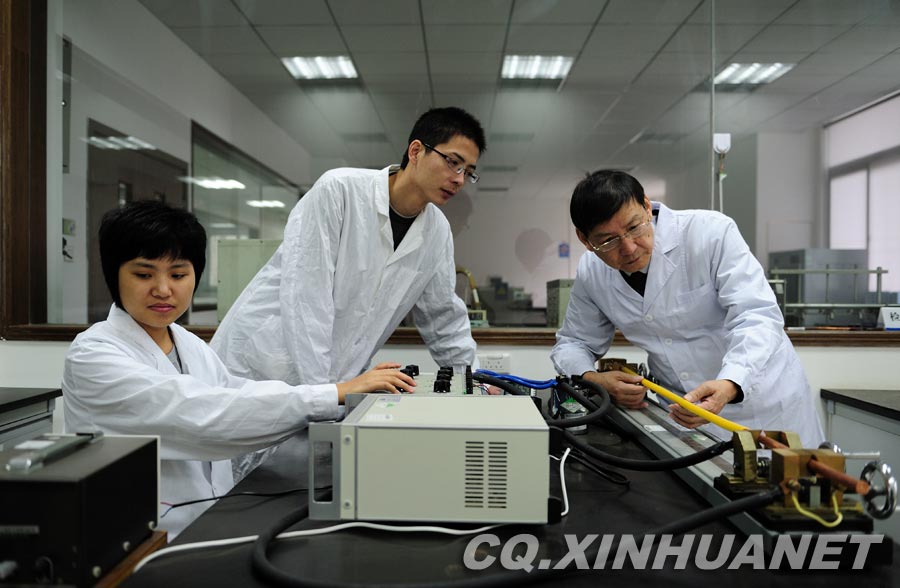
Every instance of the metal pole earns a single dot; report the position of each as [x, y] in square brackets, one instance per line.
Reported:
[712, 103]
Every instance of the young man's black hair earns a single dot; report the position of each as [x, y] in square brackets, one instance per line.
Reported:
[152, 230]
[600, 195]
[439, 125]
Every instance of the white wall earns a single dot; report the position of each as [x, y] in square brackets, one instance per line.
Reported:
[864, 134]
[789, 192]
[515, 237]
[40, 364]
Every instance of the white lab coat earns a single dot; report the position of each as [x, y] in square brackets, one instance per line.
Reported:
[335, 289]
[117, 379]
[707, 313]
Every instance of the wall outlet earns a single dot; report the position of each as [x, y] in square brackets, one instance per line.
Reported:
[495, 362]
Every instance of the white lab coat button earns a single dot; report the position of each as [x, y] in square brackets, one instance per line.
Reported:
[668, 341]
[648, 318]
[684, 375]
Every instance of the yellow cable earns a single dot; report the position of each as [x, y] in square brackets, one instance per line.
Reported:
[817, 518]
[710, 416]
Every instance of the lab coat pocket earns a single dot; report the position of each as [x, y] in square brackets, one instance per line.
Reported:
[698, 309]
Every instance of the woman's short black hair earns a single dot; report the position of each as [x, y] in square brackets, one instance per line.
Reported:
[152, 230]
[600, 195]
[439, 125]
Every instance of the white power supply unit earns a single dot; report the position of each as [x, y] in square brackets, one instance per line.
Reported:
[472, 459]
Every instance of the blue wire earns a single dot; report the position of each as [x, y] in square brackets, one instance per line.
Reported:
[535, 384]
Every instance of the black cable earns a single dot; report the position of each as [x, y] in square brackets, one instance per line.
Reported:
[647, 465]
[597, 410]
[720, 511]
[613, 476]
[504, 385]
[233, 494]
[266, 571]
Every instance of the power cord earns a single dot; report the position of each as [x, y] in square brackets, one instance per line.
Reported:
[232, 495]
[263, 568]
[645, 465]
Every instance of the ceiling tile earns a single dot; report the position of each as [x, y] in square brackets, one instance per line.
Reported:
[441, 12]
[456, 83]
[816, 12]
[742, 11]
[286, 12]
[303, 40]
[618, 39]
[615, 70]
[347, 110]
[223, 40]
[547, 39]
[381, 38]
[835, 64]
[695, 38]
[374, 65]
[794, 38]
[649, 11]
[568, 12]
[398, 83]
[465, 38]
[469, 63]
[382, 12]
[195, 13]
[866, 39]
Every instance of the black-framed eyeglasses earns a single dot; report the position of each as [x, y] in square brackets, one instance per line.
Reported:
[635, 232]
[457, 166]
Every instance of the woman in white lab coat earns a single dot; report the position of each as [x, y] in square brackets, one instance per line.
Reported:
[138, 373]
[706, 315]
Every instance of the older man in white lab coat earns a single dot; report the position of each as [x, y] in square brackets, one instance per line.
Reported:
[361, 249]
[684, 287]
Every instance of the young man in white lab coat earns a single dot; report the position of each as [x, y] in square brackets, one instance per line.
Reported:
[361, 249]
[685, 287]
[139, 373]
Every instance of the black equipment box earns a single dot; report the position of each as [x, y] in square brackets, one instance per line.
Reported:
[73, 506]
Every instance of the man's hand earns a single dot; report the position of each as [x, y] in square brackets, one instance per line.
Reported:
[624, 389]
[712, 396]
[384, 377]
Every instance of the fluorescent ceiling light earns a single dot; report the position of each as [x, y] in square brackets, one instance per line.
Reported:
[335, 67]
[214, 183]
[536, 67]
[752, 73]
[222, 226]
[265, 203]
[118, 143]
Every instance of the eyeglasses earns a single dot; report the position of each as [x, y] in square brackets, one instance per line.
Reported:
[635, 232]
[456, 166]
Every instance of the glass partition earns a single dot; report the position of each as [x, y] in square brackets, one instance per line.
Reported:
[156, 99]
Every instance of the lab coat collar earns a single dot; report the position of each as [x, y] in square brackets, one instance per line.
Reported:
[414, 237]
[128, 328]
[666, 238]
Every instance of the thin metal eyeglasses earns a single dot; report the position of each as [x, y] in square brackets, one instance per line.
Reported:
[456, 166]
[635, 232]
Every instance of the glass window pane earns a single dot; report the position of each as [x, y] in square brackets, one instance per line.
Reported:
[849, 214]
[884, 212]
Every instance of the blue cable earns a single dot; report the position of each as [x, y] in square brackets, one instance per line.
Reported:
[535, 384]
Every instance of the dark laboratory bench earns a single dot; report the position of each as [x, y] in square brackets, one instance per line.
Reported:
[360, 556]
[885, 403]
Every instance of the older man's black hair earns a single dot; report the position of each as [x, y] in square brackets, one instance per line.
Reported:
[600, 195]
